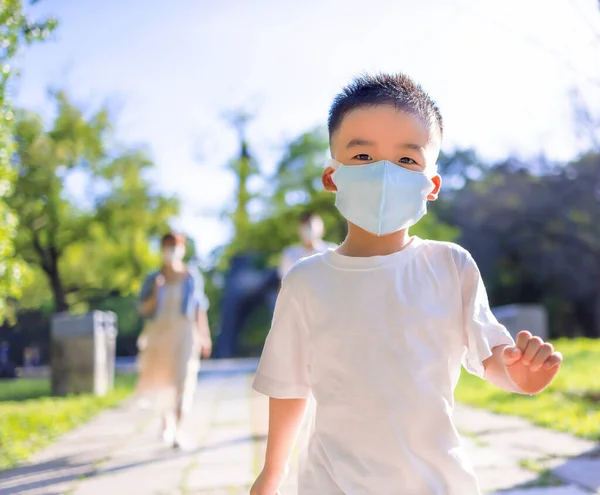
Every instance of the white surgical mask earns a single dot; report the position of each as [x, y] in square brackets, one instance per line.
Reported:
[381, 197]
[173, 254]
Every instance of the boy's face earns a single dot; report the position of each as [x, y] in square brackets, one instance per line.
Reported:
[382, 132]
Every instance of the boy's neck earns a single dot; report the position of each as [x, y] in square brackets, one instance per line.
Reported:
[363, 244]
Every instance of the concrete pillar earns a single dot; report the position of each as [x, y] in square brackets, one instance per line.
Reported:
[83, 351]
[517, 317]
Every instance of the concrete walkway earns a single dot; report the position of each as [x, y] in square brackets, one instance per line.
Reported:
[119, 452]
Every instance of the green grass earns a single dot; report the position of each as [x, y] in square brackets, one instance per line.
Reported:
[23, 389]
[570, 404]
[30, 419]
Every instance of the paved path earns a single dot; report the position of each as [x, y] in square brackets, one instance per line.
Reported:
[119, 453]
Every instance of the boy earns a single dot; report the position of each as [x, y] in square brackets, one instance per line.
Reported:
[377, 329]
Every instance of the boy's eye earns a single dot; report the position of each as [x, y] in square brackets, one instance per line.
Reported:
[407, 161]
[363, 157]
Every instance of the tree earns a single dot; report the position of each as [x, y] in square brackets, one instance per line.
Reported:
[15, 30]
[91, 244]
[536, 237]
[244, 168]
[298, 175]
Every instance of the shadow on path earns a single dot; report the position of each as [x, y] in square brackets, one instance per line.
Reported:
[69, 469]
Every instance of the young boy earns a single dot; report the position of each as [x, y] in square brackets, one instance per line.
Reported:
[377, 330]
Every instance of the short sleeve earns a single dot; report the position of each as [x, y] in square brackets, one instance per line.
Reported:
[283, 369]
[482, 332]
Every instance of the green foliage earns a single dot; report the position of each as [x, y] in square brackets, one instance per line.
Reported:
[244, 167]
[24, 389]
[571, 403]
[96, 243]
[298, 175]
[125, 307]
[15, 30]
[430, 227]
[30, 419]
[533, 229]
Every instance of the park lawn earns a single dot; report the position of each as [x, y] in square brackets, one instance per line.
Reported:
[570, 404]
[31, 419]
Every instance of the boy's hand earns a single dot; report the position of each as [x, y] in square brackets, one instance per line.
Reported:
[266, 485]
[532, 363]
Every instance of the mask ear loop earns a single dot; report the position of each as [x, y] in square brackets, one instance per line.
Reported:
[334, 164]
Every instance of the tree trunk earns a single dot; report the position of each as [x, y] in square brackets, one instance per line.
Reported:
[58, 291]
[56, 285]
[48, 257]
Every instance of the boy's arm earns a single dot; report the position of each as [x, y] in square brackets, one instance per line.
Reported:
[283, 375]
[285, 418]
[528, 367]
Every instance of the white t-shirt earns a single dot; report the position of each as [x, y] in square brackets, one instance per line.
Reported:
[291, 255]
[379, 342]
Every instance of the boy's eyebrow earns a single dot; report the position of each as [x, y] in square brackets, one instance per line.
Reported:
[411, 146]
[359, 142]
[364, 142]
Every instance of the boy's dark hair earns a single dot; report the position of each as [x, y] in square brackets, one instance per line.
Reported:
[395, 89]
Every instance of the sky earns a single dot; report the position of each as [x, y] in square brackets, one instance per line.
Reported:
[501, 72]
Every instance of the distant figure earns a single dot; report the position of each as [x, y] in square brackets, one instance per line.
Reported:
[7, 369]
[4, 347]
[35, 355]
[27, 358]
[247, 287]
[176, 332]
[311, 231]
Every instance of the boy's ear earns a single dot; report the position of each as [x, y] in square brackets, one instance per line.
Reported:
[437, 182]
[327, 180]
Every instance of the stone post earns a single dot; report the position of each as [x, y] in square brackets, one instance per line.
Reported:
[83, 351]
[517, 317]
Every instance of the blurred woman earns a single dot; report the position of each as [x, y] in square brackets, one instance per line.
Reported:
[176, 333]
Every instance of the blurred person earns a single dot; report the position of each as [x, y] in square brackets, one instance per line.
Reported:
[311, 230]
[35, 355]
[377, 330]
[176, 333]
[27, 357]
[4, 348]
[7, 369]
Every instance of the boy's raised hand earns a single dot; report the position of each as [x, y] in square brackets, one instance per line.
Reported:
[532, 363]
